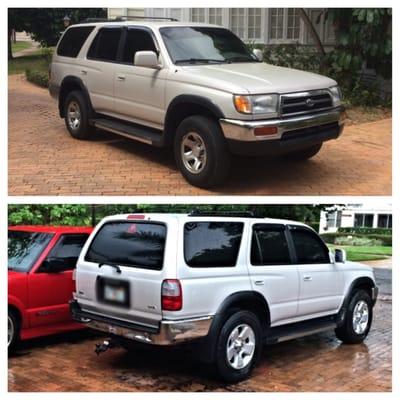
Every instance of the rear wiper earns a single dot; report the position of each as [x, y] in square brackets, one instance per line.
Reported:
[118, 269]
[196, 60]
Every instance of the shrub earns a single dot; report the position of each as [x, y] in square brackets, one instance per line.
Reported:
[366, 231]
[331, 238]
[47, 54]
[357, 241]
[39, 78]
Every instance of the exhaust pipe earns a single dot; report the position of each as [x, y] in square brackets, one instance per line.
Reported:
[106, 345]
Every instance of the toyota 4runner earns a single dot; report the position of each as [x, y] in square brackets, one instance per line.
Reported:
[225, 284]
[196, 88]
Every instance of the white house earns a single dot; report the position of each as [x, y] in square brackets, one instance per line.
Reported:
[257, 25]
[356, 216]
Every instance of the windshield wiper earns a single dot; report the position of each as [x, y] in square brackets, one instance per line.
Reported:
[200, 60]
[242, 59]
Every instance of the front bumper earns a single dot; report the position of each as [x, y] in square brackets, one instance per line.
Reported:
[291, 133]
[169, 332]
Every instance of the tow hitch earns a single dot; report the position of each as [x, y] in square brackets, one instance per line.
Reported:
[106, 345]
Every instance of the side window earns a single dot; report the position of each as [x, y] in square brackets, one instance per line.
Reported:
[105, 45]
[269, 245]
[73, 40]
[137, 40]
[212, 244]
[309, 247]
[68, 249]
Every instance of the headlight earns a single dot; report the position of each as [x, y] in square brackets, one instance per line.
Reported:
[259, 104]
[336, 95]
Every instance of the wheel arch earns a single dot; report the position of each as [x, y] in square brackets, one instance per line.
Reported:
[184, 106]
[69, 84]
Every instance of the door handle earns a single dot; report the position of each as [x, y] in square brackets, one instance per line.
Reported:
[307, 278]
[259, 283]
[83, 72]
[120, 77]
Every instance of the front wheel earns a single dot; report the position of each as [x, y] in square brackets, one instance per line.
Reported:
[13, 331]
[201, 152]
[76, 116]
[358, 318]
[238, 346]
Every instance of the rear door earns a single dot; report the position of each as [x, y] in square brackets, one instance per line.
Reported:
[49, 292]
[321, 282]
[120, 272]
[273, 272]
[98, 69]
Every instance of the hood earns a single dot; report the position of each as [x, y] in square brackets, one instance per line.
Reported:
[256, 78]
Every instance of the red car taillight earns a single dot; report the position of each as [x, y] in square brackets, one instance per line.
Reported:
[171, 295]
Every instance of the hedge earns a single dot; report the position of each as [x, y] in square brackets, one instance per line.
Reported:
[330, 237]
[366, 231]
[39, 78]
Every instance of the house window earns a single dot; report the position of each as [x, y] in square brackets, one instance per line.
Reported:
[158, 12]
[363, 220]
[176, 13]
[334, 219]
[215, 16]
[284, 24]
[198, 15]
[246, 23]
[385, 221]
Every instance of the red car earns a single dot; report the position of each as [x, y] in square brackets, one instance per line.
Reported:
[41, 261]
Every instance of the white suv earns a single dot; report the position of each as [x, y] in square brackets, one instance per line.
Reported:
[193, 87]
[226, 284]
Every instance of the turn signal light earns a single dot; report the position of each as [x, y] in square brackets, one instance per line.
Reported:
[242, 104]
[265, 131]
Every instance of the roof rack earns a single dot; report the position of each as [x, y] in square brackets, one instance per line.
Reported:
[244, 214]
[122, 19]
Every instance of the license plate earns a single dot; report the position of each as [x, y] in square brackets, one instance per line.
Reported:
[114, 293]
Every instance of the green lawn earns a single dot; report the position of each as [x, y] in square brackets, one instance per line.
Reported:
[365, 253]
[34, 61]
[18, 46]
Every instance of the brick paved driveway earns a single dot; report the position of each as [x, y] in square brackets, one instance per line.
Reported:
[314, 363]
[45, 160]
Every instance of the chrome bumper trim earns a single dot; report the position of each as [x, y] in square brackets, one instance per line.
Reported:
[170, 333]
[244, 130]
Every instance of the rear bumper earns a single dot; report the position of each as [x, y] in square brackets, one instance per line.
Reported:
[291, 133]
[169, 332]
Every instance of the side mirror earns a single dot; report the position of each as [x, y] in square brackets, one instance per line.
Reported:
[259, 54]
[146, 59]
[56, 265]
[340, 256]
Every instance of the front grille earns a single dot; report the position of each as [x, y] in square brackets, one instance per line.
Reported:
[305, 102]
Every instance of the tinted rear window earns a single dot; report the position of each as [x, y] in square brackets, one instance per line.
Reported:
[73, 40]
[212, 244]
[132, 244]
[105, 45]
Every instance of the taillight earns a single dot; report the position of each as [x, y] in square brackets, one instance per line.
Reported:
[171, 295]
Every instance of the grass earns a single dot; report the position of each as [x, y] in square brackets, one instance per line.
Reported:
[365, 253]
[34, 61]
[20, 45]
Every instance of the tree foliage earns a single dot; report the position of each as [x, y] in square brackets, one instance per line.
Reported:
[86, 214]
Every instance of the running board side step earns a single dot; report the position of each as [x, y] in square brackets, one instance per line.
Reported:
[301, 329]
[137, 132]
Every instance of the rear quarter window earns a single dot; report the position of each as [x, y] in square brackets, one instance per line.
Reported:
[73, 40]
[129, 243]
[212, 244]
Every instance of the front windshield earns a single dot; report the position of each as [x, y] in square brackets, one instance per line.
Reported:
[24, 248]
[188, 44]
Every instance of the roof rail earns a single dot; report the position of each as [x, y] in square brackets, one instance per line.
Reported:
[122, 19]
[244, 214]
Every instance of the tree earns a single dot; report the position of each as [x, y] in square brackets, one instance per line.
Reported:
[46, 24]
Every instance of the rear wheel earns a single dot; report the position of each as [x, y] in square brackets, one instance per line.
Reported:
[358, 318]
[304, 154]
[201, 152]
[76, 116]
[238, 346]
[13, 331]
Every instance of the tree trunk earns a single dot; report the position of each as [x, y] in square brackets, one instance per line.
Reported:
[310, 28]
[10, 55]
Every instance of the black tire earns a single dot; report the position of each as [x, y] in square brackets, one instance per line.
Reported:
[304, 154]
[83, 130]
[216, 166]
[14, 320]
[346, 332]
[222, 365]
